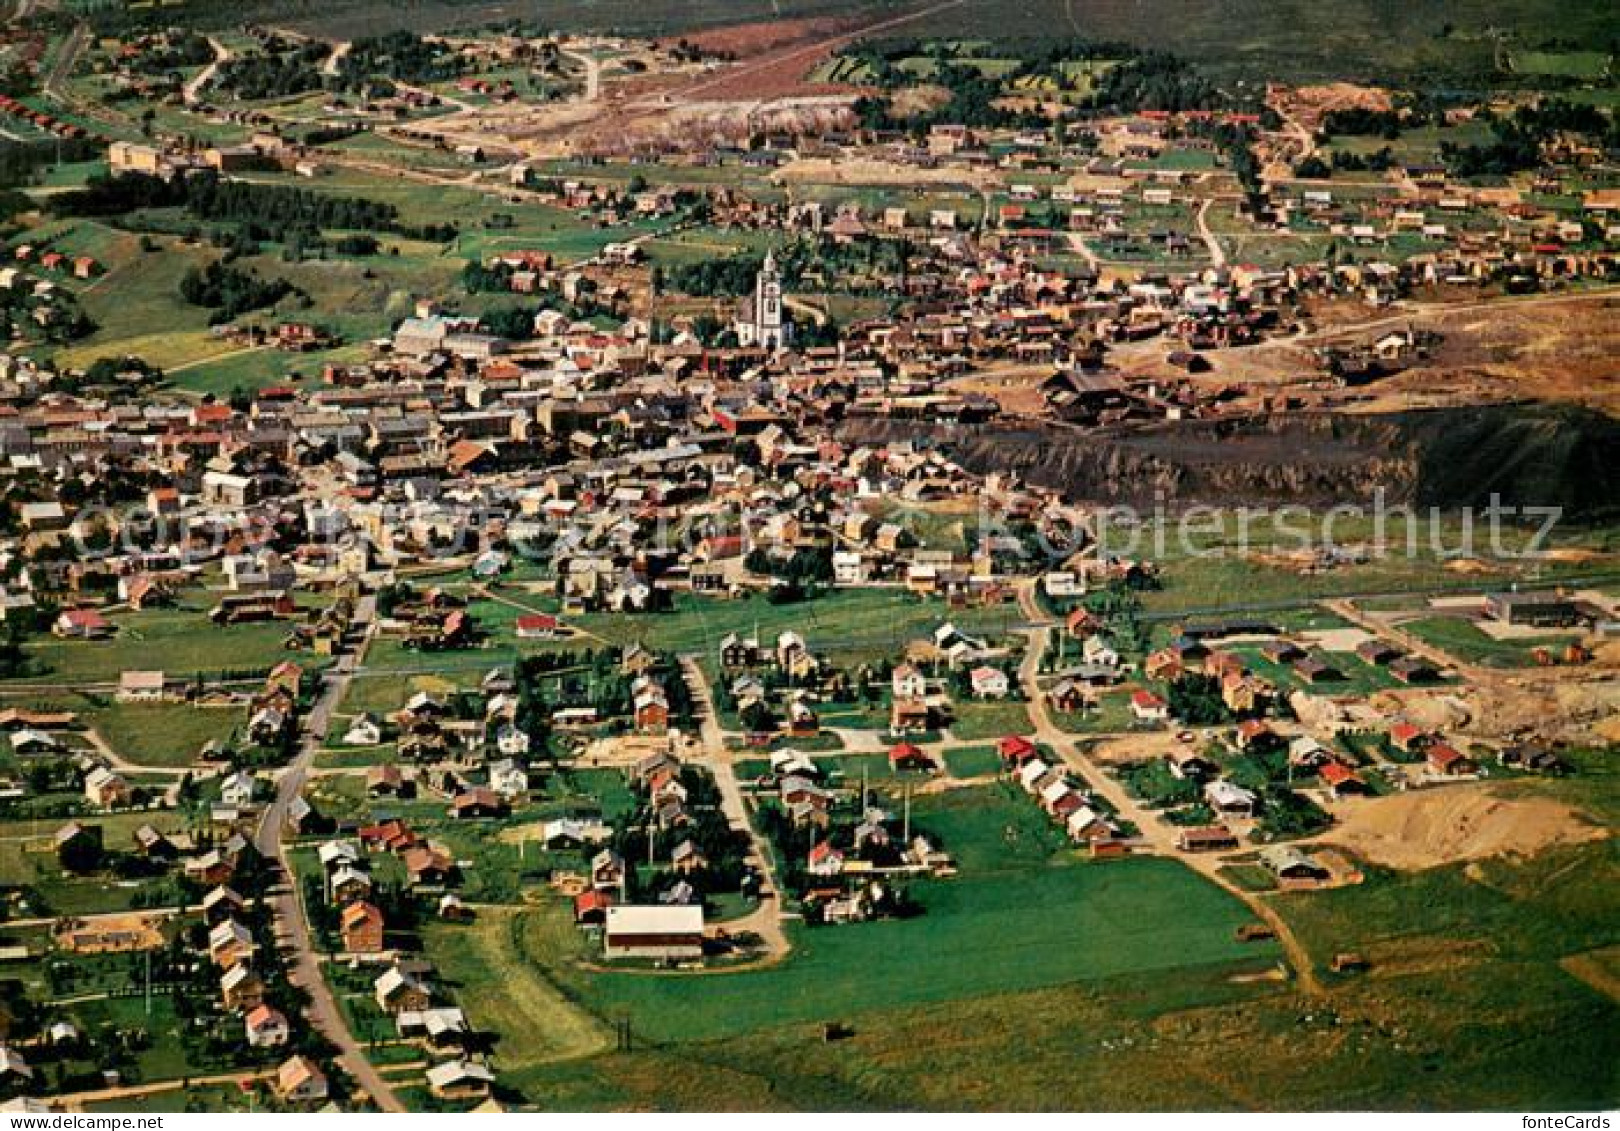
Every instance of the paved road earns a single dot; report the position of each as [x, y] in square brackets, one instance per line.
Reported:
[306, 971]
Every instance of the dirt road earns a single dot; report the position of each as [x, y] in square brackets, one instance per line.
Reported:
[191, 93]
[1217, 253]
[77, 1101]
[765, 920]
[306, 969]
[1156, 836]
[593, 72]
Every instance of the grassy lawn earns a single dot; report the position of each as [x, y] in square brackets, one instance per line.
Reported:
[383, 694]
[65, 894]
[255, 368]
[165, 1059]
[192, 1097]
[1220, 567]
[1360, 677]
[182, 641]
[1226, 581]
[847, 626]
[1023, 897]
[1465, 1008]
[1560, 902]
[978, 720]
[484, 964]
[161, 734]
[1459, 637]
[1111, 715]
[1043, 928]
[1573, 64]
[973, 761]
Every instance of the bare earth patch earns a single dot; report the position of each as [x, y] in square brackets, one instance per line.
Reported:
[1599, 969]
[1428, 828]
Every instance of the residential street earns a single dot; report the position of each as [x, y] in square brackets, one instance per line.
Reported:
[306, 972]
[766, 919]
[1156, 835]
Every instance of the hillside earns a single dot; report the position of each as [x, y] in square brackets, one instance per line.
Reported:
[1264, 39]
[1529, 455]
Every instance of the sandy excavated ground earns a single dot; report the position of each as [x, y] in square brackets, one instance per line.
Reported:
[1428, 828]
[1437, 710]
[1338, 639]
[1573, 704]
[874, 171]
[1137, 748]
[1555, 348]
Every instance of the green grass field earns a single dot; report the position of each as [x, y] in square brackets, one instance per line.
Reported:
[1565, 64]
[1021, 896]
[486, 966]
[973, 761]
[845, 626]
[182, 640]
[976, 720]
[161, 734]
[1461, 638]
[1044, 927]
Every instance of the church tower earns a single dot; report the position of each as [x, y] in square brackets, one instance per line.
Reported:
[770, 331]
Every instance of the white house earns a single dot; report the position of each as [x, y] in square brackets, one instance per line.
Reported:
[238, 789]
[363, 731]
[1229, 799]
[989, 683]
[909, 682]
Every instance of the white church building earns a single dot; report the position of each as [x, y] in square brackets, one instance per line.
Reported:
[760, 319]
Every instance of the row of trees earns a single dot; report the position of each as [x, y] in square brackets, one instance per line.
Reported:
[264, 211]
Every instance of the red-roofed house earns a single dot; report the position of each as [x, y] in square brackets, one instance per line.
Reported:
[82, 624]
[1015, 751]
[537, 627]
[907, 756]
[591, 907]
[1407, 737]
[1148, 707]
[1341, 780]
[1447, 761]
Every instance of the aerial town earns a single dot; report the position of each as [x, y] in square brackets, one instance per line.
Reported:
[807, 556]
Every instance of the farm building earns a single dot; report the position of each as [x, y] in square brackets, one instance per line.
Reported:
[654, 932]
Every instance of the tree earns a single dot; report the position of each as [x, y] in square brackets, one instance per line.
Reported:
[1313, 168]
